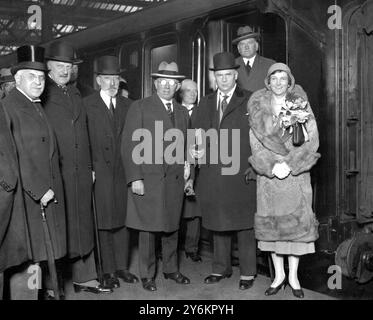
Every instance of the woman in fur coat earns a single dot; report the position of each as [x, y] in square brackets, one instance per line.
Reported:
[285, 224]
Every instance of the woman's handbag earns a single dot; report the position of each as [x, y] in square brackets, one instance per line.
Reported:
[298, 134]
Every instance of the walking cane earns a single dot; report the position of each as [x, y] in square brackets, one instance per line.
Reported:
[97, 239]
[50, 253]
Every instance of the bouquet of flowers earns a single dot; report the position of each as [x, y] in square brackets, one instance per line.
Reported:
[293, 115]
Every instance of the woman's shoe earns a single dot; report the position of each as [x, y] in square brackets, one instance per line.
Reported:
[273, 290]
[298, 293]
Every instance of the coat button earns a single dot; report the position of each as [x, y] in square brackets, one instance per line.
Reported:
[106, 148]
[43, 139]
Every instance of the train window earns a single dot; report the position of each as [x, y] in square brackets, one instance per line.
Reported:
[157, 49]
[130, 58]
[198, 63]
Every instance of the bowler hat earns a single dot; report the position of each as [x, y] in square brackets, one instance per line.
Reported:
[108, 65]
[29, 57]
[61, 51]
[224, 61]
[168, 70]
[245, 33]
[279, 67]
[6, 75]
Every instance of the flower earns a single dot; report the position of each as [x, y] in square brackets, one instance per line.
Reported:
[294, 110]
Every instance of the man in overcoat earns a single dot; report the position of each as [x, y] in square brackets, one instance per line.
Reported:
[107, 112]
[155, 181]
[227, 201]
[191, 210]
[252, 66]
[38, 161]
[65, 110]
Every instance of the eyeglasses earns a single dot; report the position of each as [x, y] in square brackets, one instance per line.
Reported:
[164, 82]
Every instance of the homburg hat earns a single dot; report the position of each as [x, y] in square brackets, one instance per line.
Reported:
[245, 32]
[224, 61]
[29, 57]
[168, 70]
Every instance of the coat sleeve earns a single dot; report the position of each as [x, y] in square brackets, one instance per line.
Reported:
[130, 147]
[92, 130]
[303, 158]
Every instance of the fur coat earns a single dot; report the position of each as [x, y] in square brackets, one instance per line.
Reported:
[284, 206]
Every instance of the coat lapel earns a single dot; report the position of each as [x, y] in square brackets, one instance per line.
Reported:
[236, 100]
[213, 112]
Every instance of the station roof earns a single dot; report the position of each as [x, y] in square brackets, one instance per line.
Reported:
[35, 21]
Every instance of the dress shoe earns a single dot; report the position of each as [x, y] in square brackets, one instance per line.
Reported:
[111, 281]
[126, 276]
[298, 293]
[273, 290]
[97, 289]
[178, 277]
[212, 278]
[148, 284]
[194, 256]
[246, 284]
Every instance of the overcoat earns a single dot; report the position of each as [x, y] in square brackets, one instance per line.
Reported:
[68, 117]
[255, 79]
[14, 239]
[227, 202]
[284, 205]
[39, 168]
[105, 136]
[159, 209]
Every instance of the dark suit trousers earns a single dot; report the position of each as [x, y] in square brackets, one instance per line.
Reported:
[1, 285]
[193, 229]
[84, 268]
[246, 252]
[147, 258]
[114, 246]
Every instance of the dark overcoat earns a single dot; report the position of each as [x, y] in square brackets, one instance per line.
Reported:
[68, 117]
[254, 80]
[105, 136]
[159, 209]
[226, 201]
[14, 239]
[39, 168]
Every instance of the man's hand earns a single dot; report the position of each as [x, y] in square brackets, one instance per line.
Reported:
[138, 187]
[281, 170]
[188, 188]
[48, 196]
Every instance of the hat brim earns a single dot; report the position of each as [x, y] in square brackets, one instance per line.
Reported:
[246, 36]
[62, 59]
[162, 75]
[78, 61]
[225, 68]
[29, 65]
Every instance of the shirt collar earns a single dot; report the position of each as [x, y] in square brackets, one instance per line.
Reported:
[167, 101]
[229, 93]
[251, 60]
[32, 100]
[107, 98]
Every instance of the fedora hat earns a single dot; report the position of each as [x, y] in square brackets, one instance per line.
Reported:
[29, 57]
[6, 75]
[168, 70]
[108, 65]
[224, 61]
[245, 33]
[61, 51]
[279, 67]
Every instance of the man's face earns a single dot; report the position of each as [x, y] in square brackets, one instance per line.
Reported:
[189, 92]
[166, 87]
[279, 83]
[30, 82]
[60, 71]
[248, 47]
[74, 73]
[226, 79]
[108, 83]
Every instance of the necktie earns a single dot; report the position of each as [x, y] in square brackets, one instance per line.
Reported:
[224, 104]
[170, 113]
[248, 68]
[38, 107]
[111, 107]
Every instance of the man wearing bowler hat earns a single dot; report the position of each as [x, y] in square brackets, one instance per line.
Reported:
[39, 167]
[227, 201]
[7, 82]
[252, 66]
[65, 110]
[107, 112]
[156, 185]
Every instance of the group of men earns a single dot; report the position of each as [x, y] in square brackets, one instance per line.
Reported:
[75, 158]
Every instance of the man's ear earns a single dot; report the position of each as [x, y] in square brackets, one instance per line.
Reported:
[178, 86]
[98, 80]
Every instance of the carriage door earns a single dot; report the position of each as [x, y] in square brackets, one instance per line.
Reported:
[358, 115]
